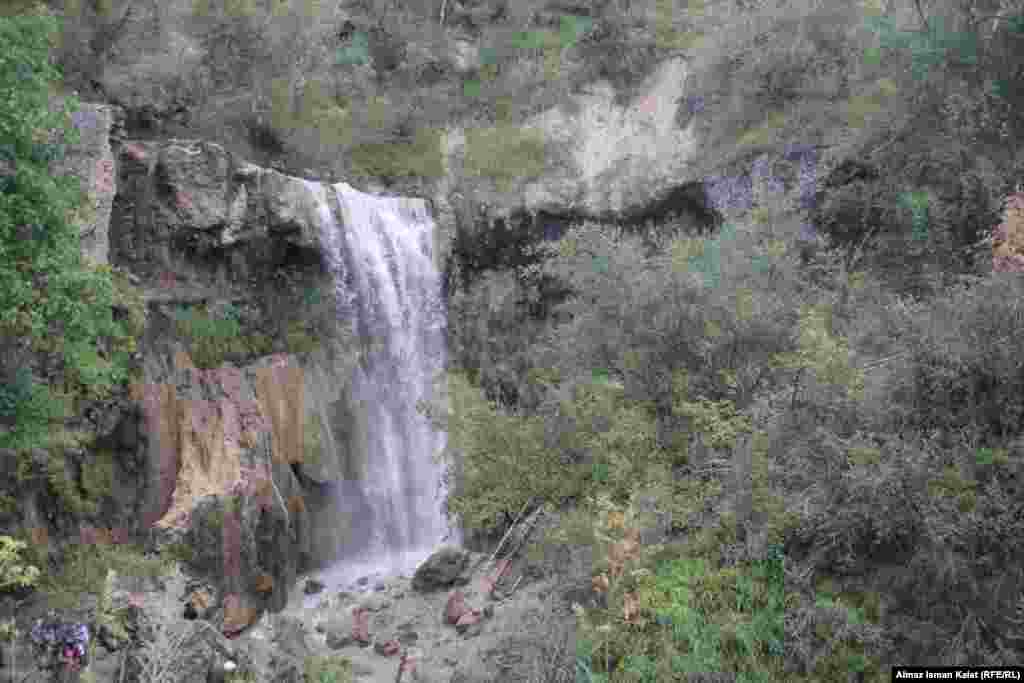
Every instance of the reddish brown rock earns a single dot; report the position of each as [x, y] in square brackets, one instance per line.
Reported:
[238, 616]
[456, 607]
[361, 625]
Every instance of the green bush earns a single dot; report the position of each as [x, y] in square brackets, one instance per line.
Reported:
[85, 568]
[48, 292]
[14, 573]
[328, 669]
[966, 375]
[421, 157]
[505, 153]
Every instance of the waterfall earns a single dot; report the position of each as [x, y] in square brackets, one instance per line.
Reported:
[381, 256]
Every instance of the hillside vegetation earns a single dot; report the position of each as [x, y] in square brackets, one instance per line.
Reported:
[820, 406]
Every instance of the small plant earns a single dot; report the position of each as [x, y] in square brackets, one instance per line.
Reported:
[333, 669]
[505, 153]
[9, 631]
[13, 572]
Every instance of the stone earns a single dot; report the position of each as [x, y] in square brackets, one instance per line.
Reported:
[338, 631]
[238, 616]
[374, 603]
[455, 608]
[199, 602]
[469, 624]
[387, 648]
[291, 637]
[440, 570]
[312, 587]
[361, 625]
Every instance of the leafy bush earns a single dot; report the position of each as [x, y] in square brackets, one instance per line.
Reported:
[214, 337]
[47, 291]
[965, 374]
[85, 567]
[331, 669]
[498, 449]
[13, 573]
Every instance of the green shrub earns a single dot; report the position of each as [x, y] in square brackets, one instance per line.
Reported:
[505, 153]
[85, 569]
[48, 292]
[14, 573]
[328, 669]
[420, 157]
[299, 338]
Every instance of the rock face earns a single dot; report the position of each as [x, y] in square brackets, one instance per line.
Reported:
[92, 162]
[182, 204]
[618, 158]
[1008, 242]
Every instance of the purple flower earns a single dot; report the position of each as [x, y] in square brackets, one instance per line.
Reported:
[730, 192]
[808, 233]
[85, 119]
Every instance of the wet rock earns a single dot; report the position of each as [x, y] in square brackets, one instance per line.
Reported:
[313, 587]
[363, 581]
[380, 587]
[440, 570]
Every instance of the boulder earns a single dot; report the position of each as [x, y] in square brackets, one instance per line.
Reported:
[441, 570]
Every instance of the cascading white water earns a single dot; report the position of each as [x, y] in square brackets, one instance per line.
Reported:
[381, 256]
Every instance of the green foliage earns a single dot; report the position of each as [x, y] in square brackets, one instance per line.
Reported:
[312, 441]
[421, 157]
[328, 669]
[617, 433]
[179, 551]
[505, 153]
[108, 618]
[506, 462]
[356, 52]
[696, 617]
[826, 356]
[214, 337]
[48, 293]
[299, 338]
[718, 422]
[85, 569]
[65, 489]
[98, 476]
[964, 378]
[14, 573]
[928, 48]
